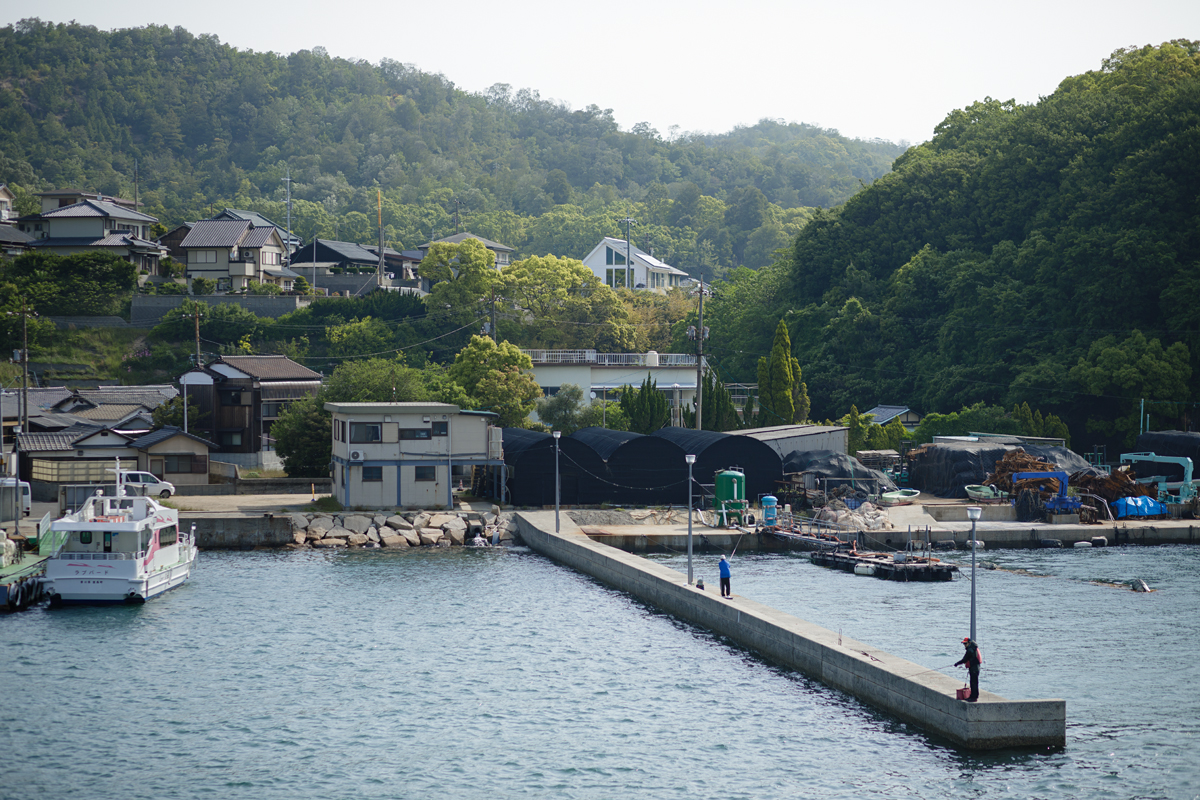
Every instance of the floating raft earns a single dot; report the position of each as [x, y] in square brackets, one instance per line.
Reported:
[806, 541]
[885, 565]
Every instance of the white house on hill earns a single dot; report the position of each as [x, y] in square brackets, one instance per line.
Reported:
[607, 261]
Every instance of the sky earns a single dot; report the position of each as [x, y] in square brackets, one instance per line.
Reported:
[867, 68]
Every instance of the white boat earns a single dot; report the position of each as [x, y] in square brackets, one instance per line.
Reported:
[120, 549]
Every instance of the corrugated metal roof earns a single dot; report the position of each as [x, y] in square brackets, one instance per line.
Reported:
[216, 233]
[351, 251]
[278, 368]
[98, 208]
[257, 237]
[289, 390]
[109, 411]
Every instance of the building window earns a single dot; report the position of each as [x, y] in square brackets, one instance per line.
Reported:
[273, 409]
[202, 256]
[426, 473]
[223, 284]
[269, 258]
[85, 537]
[372, 474]
[415, 433]
[614, 258]
[441, 428]
[615, 278]
[184, 463]
[235, 398]
[232, 439]
[365, 432]
[168, 536]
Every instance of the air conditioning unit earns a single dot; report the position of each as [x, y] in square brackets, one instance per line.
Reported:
[356, 455]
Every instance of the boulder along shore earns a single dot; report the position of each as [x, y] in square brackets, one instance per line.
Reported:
[410, 529]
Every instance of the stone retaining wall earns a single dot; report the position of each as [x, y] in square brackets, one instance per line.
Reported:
[412, 529]
[880, 679]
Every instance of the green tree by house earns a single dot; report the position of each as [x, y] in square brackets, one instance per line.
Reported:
[498, 377]
[782, 396]
[646, 407]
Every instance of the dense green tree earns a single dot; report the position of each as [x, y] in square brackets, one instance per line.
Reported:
[778, 376]
[171, 413]
[562, 410]
[463, 275]
[646, 407]
[302, 439]
[497, 376]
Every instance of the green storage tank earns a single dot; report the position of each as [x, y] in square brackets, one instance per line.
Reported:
[729, 497]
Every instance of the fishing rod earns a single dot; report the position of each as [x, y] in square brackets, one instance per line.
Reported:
[935, 669]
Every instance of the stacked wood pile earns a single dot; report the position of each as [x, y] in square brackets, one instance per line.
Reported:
[1111, 487]
[1015, 461]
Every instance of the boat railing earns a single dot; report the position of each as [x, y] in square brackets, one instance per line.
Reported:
[94, 556]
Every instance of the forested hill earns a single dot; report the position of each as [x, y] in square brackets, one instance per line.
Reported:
[1045, 253]
[212, 125]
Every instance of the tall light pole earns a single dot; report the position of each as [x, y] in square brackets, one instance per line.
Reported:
[556, 435]
[690, 459]
[974, 512]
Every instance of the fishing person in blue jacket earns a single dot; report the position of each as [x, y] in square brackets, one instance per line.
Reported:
[725, 592]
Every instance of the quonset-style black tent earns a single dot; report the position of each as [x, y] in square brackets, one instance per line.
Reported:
[648, 471]
[529, 457]
[717, 451]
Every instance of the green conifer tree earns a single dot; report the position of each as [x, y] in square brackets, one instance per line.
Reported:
[776, 381]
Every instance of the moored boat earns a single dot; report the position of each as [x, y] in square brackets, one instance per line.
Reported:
[120, 549]
[983, 493]
[900, 497]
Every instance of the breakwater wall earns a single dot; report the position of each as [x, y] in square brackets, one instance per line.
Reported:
[1018, 535]
[880, 679]
[304, 530]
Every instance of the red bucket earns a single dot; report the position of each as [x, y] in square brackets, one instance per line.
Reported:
[963, 693]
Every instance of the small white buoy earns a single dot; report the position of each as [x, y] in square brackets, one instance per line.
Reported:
[1083, 544]
[978, 544]
[864, 569]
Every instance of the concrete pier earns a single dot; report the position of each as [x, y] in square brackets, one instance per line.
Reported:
[894, 685]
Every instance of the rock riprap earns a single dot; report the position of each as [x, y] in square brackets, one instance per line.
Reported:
[400, 531]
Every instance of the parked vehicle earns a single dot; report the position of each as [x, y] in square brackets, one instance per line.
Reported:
[151, 485]
[25, 502]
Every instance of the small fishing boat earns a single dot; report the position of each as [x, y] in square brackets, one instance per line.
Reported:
[121, 549]
[900, 497]
[984, 494]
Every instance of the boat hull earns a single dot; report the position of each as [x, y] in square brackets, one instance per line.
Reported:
[101, 582]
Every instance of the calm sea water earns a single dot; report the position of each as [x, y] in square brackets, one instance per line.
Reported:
[481, 673]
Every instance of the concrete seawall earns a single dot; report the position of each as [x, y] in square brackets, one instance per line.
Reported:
[238, 531]
[874, 676]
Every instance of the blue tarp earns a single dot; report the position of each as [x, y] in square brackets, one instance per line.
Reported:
[1138, 507]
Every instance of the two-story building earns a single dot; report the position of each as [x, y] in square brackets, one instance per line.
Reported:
[233, 252]
[600, 375]
[240, 398]
[78, 222]
[406, 455]
[620, 265]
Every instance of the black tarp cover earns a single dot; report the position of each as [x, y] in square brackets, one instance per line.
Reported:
[944, 469]
[719, 451]
[831, 464]
[529, 456]
[1168, 443]
[648, 471]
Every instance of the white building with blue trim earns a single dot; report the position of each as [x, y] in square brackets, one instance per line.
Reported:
[408, 455]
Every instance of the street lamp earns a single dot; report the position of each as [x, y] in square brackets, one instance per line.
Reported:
[556, 435]
[690, 459]
[974, 513]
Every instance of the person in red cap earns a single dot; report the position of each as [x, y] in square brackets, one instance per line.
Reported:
[971, 660]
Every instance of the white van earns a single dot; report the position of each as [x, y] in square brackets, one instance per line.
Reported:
[26, 498]
[153, 486]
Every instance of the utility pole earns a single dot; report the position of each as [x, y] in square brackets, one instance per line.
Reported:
[288, 245]
[457, 205]
[699, 333]
[379, 269]
[628, 256]
[495, 336]
[24, 369]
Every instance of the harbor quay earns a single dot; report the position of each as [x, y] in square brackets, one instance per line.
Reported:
[886, 682]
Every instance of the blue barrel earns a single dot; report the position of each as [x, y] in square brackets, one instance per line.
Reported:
[770, 507]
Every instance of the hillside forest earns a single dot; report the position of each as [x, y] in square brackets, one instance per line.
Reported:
[1031, 267]
[209, 126]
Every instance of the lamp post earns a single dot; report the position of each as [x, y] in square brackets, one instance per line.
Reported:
[690, 459]
[974, 512]
[556, 435]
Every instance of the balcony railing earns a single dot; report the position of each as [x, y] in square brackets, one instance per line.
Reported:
[591, 357]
